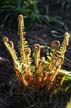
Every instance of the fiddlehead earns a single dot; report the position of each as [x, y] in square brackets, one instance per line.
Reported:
[22, 42]
[45, 71]
[10, 46]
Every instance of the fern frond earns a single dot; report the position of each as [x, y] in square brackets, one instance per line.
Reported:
[10, 46]
[23, 42]
[64, 45]
[44, 71]
[54, 45]
[37, 56]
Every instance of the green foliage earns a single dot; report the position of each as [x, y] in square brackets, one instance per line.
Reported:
[26, 7]
[64, 3]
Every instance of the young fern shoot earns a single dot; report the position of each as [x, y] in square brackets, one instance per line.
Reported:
[45, 71]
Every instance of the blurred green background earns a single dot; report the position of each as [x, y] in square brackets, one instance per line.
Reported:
[44, 12]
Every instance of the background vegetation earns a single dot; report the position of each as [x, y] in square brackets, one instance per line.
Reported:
[50, 13]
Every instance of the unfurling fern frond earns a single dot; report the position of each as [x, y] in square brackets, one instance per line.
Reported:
[22, 42]
[10, 46]
[45, 71]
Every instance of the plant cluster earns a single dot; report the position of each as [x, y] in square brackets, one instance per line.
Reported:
[44, 71]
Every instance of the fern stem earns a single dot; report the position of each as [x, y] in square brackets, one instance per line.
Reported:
[21, 33]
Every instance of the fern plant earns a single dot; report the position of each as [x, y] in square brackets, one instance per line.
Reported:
[44, 71]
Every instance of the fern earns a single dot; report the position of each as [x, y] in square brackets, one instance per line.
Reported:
[43, 72]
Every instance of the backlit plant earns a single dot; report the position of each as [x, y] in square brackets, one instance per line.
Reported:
[42, 72]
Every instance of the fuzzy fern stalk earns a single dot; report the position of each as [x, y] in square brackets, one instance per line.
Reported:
[44, 71]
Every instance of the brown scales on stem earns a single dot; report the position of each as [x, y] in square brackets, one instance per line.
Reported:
[45, 71]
